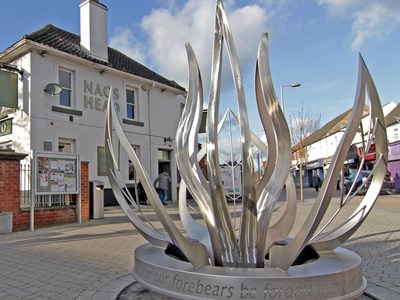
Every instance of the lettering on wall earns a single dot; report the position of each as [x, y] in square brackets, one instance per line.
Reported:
[6, 127]
[95, 96]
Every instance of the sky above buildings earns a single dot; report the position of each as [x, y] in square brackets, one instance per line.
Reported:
[311, 42]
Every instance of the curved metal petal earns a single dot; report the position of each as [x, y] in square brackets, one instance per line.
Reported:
[187, 159]
[276, 128]
[153, 236]
[196, 253]
[247, 235]
[281, 228]
[339, 235]
[230, 255]
[283, 256]
[187, 142]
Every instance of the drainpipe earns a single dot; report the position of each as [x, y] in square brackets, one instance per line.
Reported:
[148, 89]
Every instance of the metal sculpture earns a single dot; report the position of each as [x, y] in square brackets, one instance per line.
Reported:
[259, 261]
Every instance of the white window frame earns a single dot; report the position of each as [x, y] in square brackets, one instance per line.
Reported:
[133, 105]
[70, 89]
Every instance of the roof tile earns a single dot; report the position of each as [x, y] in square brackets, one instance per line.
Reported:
[68, 42]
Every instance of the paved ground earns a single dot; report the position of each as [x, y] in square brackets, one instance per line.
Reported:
[377, 241]
[94, 260]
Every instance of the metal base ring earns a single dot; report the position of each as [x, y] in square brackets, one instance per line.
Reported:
[335, 275]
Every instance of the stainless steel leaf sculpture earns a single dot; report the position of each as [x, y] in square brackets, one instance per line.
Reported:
[196, 253]
[259, 251]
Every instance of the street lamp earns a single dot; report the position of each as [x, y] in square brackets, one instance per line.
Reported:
[287, 85]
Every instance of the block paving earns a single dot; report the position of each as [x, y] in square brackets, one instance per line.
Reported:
[94, 260]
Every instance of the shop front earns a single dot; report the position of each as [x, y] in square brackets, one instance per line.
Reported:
[394, 163]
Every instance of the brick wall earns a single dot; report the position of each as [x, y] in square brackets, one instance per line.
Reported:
[44, 217]
[10, 197]
[85, 191]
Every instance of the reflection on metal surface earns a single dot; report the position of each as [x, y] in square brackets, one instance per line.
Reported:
[259, 243]
[284, 256]
[196, 253]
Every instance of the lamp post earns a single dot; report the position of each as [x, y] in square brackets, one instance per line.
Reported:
[283, 110]
[286, 85]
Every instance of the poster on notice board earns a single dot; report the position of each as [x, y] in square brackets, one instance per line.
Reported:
[56, 173]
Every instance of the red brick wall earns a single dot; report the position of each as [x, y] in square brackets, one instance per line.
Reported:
[85, 191]
[44, 217]
[9, 184]
[10, 197]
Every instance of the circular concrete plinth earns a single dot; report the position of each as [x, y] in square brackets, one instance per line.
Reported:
[335, 275]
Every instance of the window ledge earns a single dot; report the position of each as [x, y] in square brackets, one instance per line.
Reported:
[65, 110]
[132, 122]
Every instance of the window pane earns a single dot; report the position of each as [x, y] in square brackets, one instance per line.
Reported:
[130, 111]
[65, 79]
[163, 155]
[101, 162]
[64, 147]
[130, 96]
[65, 98]
[131, 170]
[130, 104]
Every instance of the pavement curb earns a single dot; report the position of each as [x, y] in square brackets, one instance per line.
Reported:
[381, 293]
[113, 289]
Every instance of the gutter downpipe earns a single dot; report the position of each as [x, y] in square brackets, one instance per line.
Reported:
[148, 89]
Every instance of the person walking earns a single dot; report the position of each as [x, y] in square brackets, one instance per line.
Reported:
[162, 183]
[316, 181]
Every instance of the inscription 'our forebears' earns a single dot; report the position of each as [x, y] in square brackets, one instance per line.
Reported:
[199, 287]
[190, 286]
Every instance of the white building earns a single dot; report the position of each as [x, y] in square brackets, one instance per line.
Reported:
[328, 137]
[73, 121]
[322, 144]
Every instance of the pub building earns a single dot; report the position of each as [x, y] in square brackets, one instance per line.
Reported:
[62, 82]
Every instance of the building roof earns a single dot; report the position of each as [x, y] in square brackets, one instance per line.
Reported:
[393, 117]
[68, 42]
[335, 125]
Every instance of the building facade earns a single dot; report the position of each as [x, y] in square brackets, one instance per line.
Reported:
[63, 88]
[321, 145]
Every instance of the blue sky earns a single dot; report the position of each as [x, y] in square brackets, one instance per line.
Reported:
[312, 42]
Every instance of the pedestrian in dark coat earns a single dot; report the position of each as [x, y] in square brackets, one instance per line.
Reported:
[316, 182]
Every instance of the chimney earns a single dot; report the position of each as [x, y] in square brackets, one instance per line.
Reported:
[94, 38]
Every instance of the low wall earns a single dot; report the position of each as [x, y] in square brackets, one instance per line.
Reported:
[10, 197]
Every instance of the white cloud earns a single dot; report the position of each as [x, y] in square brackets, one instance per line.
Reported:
[340, 6]
[168, 28]
[375, 22]
[371, 21]
[168, 31]
[124, 41]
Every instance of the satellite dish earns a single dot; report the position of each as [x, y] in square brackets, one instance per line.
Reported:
[53, 89]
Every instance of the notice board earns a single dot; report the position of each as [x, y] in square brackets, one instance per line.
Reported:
[56, 173]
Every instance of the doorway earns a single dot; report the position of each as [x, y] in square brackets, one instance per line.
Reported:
[164, 165]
